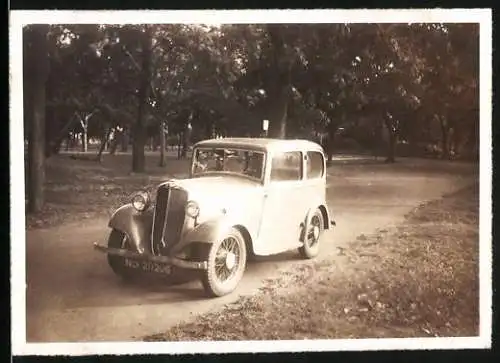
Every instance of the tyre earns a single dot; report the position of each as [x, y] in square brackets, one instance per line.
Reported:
[226, 264]
[312, 236]
[118, 239]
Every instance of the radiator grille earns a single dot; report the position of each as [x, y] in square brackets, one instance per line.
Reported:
[168, 218]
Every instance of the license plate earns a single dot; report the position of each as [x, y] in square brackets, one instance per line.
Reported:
[149, 266]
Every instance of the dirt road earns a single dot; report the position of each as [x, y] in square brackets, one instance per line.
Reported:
[72, 295]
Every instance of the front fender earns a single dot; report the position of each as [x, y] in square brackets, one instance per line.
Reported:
[136, 225]
[207, 232]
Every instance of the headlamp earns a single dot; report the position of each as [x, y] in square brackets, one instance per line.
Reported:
[141, 201]
[192, 209]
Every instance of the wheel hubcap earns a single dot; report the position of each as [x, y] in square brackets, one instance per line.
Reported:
[316, 232]
[230, 260]
[227, 259]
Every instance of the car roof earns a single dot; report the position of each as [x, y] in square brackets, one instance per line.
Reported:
[262, 144]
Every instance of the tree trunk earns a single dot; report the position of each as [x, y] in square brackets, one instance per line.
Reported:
[35, 113]
[114, 143]
[278, 116]
[62, 135]
[179, 145]
[391, 142]
[162, 144]
[186, 136]
[279, 84]
[138, 156]
[445, 142]
[103, 144]
[124, 140]
[113, 146]
[279, 94]
[138, 145]
[183, 145]
[329, 145]
[85, 141]
[472, 138]
[210, 130]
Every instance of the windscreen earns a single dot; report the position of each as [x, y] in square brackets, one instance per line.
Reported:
[247, 163]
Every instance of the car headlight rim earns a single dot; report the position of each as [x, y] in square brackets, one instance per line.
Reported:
[192, 209]
[141, 201]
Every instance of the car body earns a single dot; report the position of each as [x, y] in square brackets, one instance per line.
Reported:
[244, 197]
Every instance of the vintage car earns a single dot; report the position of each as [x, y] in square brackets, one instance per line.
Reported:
[244, 197]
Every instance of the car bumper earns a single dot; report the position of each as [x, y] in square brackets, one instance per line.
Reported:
[160, 259]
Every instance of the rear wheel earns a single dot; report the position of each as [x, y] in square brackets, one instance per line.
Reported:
[313, 232]
[118, 239]
[226, 264]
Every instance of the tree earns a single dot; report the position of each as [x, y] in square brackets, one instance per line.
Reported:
[74, 91]
[385, 81]
[268, 55]
[450, 53]
[308, 80]
[36, 70]
[138, 157]
[328, 82]
[163, 138]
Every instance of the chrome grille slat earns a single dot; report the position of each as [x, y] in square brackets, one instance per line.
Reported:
[168, 218]
[176, 213]
[159, 217]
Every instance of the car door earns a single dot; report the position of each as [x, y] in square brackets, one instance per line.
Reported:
[282, 213]
[314, 181]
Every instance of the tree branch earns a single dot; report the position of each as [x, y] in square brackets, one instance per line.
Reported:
[136, 65]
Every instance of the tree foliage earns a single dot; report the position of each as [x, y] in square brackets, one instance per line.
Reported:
[383, 84]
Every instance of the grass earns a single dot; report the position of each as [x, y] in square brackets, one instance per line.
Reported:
[417, 280]
[77, 190]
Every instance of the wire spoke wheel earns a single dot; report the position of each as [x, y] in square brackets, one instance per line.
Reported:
[314, 231]
[227, 259]
[226, 264]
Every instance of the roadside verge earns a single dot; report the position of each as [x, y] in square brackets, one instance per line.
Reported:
[418, 279]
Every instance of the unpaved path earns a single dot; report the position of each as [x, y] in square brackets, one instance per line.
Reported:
[73, 296]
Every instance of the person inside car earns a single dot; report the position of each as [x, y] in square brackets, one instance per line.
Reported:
[254, 166]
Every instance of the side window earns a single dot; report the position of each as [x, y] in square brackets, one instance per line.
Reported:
[286, 166]
[315, 165]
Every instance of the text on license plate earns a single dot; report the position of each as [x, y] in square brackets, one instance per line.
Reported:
[148, 266]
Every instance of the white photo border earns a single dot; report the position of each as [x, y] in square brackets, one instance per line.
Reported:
[17, 19]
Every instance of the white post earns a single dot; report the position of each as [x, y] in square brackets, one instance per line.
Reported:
[265, 126]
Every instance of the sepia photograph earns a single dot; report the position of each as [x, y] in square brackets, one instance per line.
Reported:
[250, 181]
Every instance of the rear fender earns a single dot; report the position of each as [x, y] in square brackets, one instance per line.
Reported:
[136, 225]
[326, 217]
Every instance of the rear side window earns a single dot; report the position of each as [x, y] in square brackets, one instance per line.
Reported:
[315, 165]
[287, 166]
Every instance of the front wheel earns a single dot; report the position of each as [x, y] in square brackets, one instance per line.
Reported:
[313, 233]
[226, 264]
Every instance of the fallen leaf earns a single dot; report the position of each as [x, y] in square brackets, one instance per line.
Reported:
[427, 331]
